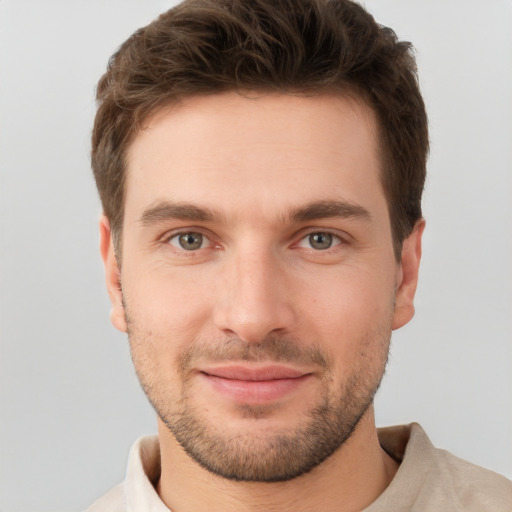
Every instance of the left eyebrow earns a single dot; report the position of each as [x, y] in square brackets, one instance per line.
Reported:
[329, 209]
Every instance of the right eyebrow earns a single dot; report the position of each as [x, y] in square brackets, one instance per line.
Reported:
[166, 210]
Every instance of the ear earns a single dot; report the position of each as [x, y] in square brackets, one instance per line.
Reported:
[408, 276]
[112, 275]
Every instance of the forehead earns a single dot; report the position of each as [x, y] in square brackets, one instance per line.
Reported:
[270, 150]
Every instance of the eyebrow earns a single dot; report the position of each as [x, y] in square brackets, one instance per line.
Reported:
[166, 210]
[181, 211]
[329, 209]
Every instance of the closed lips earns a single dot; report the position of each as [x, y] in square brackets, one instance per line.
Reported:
[254, 374]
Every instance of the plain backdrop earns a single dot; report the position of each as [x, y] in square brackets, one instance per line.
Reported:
[70, 404]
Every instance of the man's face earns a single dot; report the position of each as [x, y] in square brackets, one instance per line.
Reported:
[259, 284]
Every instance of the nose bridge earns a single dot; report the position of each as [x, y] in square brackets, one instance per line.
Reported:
[255, 302]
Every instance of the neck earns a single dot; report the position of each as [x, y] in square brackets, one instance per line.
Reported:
[349, 480]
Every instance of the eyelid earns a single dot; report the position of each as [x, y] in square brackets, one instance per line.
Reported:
[173, 233]
[336, 240]
[204, 240]
[342, 236]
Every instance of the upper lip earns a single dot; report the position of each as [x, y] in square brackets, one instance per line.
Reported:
[248, 373]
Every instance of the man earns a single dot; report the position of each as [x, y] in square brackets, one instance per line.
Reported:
[260, 166]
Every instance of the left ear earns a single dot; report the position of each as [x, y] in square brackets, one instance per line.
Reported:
[408, 276]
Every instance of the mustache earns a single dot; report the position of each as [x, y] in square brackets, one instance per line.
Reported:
[272, 348]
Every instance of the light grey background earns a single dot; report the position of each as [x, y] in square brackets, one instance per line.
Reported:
[70, 405]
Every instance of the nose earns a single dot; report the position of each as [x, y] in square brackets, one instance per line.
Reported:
[255, 300]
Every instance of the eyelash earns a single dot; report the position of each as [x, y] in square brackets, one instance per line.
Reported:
[182, 251]
[337, 240]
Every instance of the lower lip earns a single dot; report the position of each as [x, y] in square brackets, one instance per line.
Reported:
[255, 392]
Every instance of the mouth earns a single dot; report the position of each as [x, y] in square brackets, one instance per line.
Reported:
[254, 385]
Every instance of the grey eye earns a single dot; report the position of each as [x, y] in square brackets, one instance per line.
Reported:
[188, 241]
[320, 241]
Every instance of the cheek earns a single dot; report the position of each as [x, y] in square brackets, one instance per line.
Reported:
[167, 312]
[350, 305]
[168, 300]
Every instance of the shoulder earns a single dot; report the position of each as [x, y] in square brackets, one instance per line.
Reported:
[113, 501]
[137, 492]
[471, 486]
[432, 479]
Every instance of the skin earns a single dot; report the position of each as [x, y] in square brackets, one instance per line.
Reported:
[258, 164]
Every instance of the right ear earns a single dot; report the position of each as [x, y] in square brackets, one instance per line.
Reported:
[112, 275]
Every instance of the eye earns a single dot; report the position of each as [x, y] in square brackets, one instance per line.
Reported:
[190, 241]
[320, 241]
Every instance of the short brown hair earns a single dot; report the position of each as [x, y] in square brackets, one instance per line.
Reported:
[288, 46]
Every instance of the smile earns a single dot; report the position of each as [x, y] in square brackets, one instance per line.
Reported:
[254, 385]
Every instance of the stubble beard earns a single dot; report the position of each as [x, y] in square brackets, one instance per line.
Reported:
[261, 455]
[267, 456]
